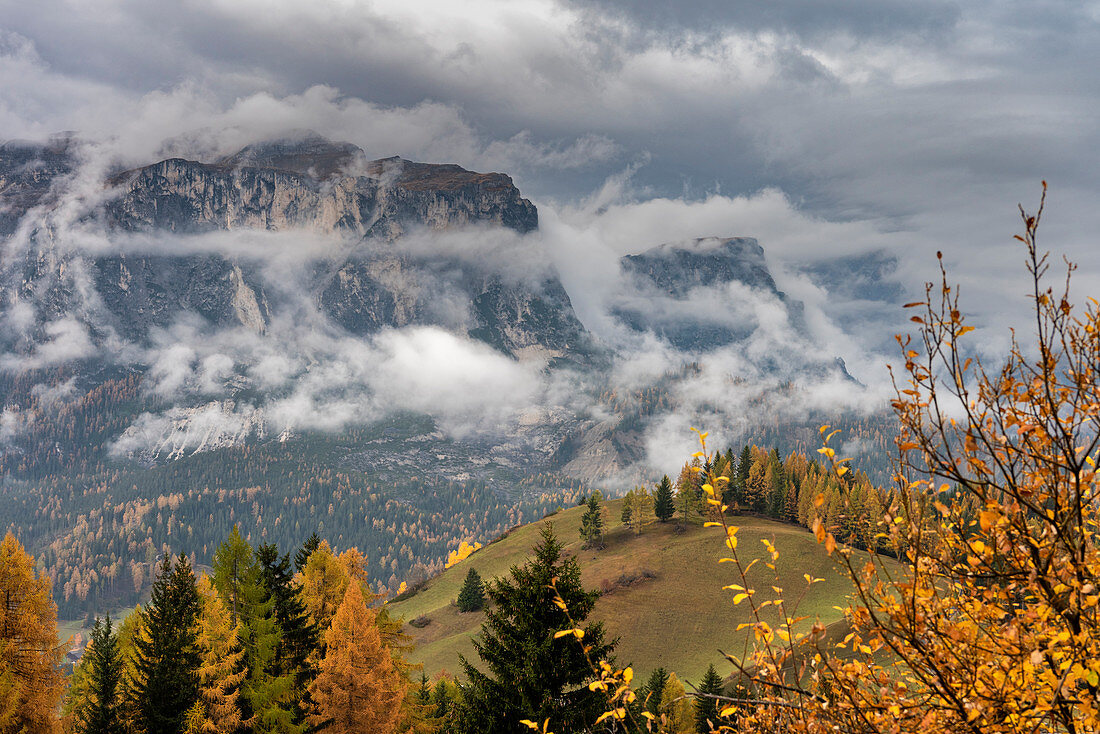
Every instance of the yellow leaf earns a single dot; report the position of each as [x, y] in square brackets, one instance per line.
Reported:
[739, 598]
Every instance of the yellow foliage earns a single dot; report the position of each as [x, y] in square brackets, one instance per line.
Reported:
[464, 551]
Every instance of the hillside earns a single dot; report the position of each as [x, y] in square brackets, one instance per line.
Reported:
[679, 619]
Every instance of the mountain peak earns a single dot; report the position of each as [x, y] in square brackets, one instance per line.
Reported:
[304, 152]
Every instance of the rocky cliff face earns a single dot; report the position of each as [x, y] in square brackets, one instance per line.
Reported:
[27, 171]
[316, 185]
[308, 185]
[688, 292]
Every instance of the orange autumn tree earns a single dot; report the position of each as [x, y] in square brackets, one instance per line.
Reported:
[990, 623]
[30, 652]
[359, 689]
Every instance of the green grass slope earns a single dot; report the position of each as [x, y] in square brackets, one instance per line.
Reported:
[678, 619]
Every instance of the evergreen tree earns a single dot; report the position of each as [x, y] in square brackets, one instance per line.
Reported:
[530, 674]
[100, 710]
[654, 687]
[729, 468]
[167, 654]
[472, 596]
[662, 501]
[303, 554]
[299, 637]
[706, 709]
[358, 690]
[744, 466]
[592, 523]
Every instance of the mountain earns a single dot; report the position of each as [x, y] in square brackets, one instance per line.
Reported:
[376, 347]
[300, 186]
[667, 279]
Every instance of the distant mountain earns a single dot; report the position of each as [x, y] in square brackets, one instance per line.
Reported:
[298, 332]
[308, 185]
[667, 281]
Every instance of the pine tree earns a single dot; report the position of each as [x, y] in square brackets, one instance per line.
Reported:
[592, 523]
[167, 653]
[654, 687]
[529, 673]
[662, 501]
[358, 690]
[303, 554]
[472, 596]
[300, 639]
[100, 710]
[677, 708]
[30, 653]
[706, 709]
[222, 671]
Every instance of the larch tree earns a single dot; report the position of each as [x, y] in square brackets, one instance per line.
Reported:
[30, 652]
[677, 710]
[358, 689]
[222, 670]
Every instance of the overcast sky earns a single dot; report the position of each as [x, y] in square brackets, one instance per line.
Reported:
[823, 127]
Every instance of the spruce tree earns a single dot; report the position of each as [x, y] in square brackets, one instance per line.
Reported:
[744, 466]
[303, 554]
[530, 674]
[706, 708]
[167, 655]
[100, 713]
[300, 639]
[592, 523]
[654, 687]
[472, 596]
[662, 501]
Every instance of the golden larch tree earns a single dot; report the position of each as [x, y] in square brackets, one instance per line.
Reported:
[221, 672]
[358, 690]
[30, 652]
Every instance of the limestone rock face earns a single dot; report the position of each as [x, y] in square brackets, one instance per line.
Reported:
[307, 185]
[325, 187]
[700, 293]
